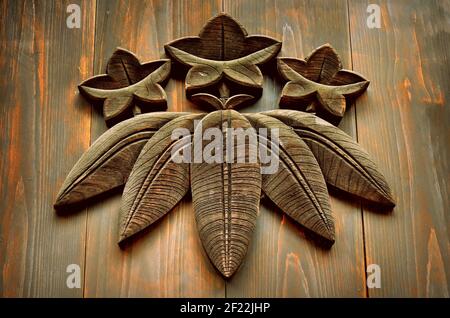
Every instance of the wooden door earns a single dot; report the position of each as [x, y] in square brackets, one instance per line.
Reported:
[402, 120]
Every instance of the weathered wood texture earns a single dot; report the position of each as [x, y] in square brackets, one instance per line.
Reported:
[45, 127]
[223, 53]
[226, 195]
[281, 261]
[404, 122]
[129, 87]
[318, 84]
[167, 259]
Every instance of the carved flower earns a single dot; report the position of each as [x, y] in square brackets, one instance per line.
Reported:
[308, 151]
[223, 50]
[319, 84]
[128, 87]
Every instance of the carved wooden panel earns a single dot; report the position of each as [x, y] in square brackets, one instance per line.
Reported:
[223, 73]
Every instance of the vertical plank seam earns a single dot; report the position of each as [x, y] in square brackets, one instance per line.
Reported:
[223, 10]
[90, 142]
[357, 139]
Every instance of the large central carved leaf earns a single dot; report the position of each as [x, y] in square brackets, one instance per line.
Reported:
[226, 196]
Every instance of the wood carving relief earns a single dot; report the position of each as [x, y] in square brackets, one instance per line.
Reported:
[319, 84]
[223, 73]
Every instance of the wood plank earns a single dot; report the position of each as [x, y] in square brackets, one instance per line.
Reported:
[282, 262]
[44, 128]
[404, 123]
[167, 260]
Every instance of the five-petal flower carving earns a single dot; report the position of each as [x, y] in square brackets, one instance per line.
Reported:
[129, 87]
[310, 152]
[223, 51]
[319, 84]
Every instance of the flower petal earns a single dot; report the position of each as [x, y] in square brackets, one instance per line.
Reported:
[344, 77]
[289, 68]
[244, 74]
[238, 100]
[323, 64]
[151, 94]
[224, 37]
[116, 105]
[102, 81]
[260, 57]
[255, 43]
[159, 70]
[201, 76]
[124, 68]
[209, 100]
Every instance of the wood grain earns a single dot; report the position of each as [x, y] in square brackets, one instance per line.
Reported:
[44, 129]
[326, 95]
[297, 186]
[281, 261]
[226, 193]
[241, 71]
[107, 164]
[129, 87]
[156, 183]
[167, 259]
[343, 162]
[404, 122]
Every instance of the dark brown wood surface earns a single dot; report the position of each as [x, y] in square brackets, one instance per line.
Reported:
[42, 62]
[279, 264]
[402, 120]
[166, 260]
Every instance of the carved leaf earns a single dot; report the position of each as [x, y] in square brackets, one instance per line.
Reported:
[226, 197]
[203, 75]
[156, 183]
[230, 103]
[344, 163]
[297, 186]
[124, 68]
[128, 83]
[238, 100]
[244, 73]
[108, 162]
